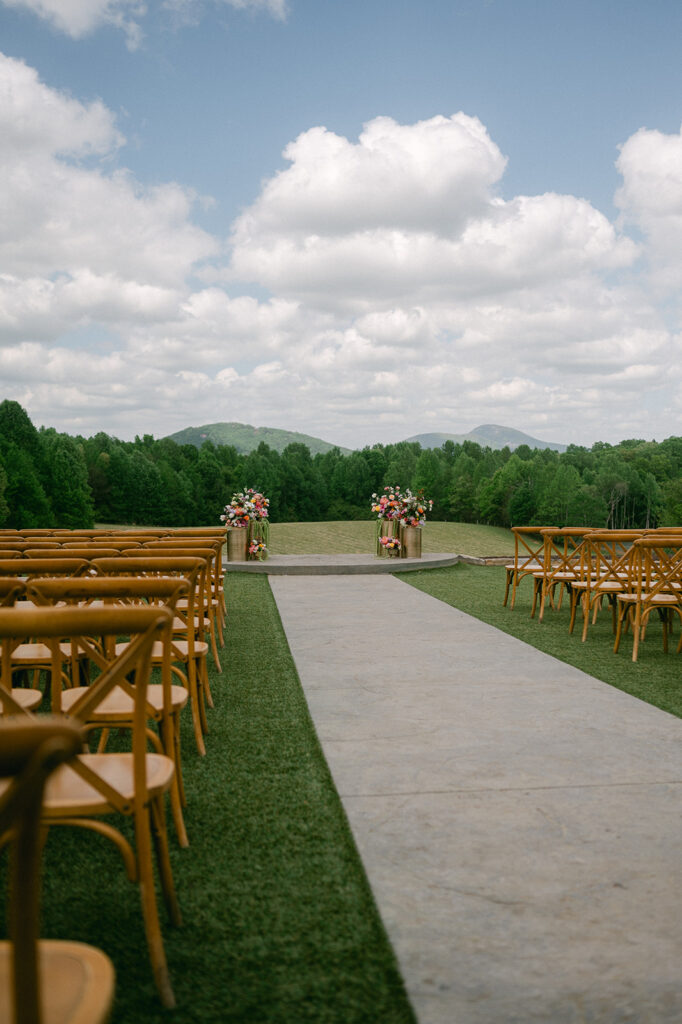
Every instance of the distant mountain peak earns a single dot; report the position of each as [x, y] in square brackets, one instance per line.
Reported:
[490, 435]
[245, 438]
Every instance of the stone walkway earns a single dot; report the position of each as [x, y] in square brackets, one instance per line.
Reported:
[519, 821]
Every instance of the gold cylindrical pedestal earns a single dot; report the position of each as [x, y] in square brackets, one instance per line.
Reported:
[237, 544]
[411, 537]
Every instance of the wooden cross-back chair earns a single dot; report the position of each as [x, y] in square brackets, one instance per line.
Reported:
[41, 981]
[655, 583]
[528, 558]
[98, 785]
[165, 700]
[603, 574]
[209, 550]
[12, 590]
[216, 535]
[34, 655]
[561, 564]
[189, 650]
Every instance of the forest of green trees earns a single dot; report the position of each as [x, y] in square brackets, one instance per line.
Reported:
[53, 479]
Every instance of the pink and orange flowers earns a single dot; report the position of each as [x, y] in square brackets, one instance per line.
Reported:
[247, 506]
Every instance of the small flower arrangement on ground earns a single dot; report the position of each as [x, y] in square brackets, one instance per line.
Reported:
[388, 504]
[257, 550]
[390, 544]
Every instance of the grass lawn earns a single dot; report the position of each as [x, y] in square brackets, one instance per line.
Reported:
[358, 538]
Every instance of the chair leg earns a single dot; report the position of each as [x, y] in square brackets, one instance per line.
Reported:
[510, 573]
[195, 705]
[150, 914]
[160, 835]
[171, 746]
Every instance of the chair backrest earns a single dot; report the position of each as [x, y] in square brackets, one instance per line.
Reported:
[83, 550]
[656, 565]
[563, 548]
[30, 567]
[606, 555]
[108, 590]
[193, 569]
[11, 590]
[30, 749]
[144, 626]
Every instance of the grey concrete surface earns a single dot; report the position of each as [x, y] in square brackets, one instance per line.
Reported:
[519, 821]
[343, 565]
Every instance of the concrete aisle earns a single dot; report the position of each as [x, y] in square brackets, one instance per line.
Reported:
[519, 821]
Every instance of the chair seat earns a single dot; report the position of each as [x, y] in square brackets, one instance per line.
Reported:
[118, 704]
[654, 599]
[77, 982]
[67, 791]
[31, 653]
[26, 699]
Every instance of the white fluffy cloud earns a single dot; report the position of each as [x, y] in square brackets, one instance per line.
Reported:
[651, 200]
[79, 18]
[406, 292]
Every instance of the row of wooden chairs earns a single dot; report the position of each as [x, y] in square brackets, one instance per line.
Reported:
[79, 610]
[637, 571]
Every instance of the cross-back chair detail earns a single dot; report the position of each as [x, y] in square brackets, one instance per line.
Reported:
[655, 583]
[188, 649]
[165, 700]
[528, 558]
[50, 980]
[97, 785]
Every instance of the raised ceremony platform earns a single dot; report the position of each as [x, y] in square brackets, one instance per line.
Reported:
[342, 565]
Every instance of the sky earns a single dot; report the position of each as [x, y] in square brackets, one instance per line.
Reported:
[358, 219]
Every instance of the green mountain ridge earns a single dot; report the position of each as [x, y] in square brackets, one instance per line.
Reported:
[489, 435]
[246, 438]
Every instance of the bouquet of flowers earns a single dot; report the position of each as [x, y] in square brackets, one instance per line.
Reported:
[390, 543]
[414, 508]
[245, 507]
[388, 504]
[257, 550]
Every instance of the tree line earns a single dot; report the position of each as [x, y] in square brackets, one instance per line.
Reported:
[51, 479]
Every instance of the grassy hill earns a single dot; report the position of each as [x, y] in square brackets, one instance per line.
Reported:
[488, 434]
[246, 438]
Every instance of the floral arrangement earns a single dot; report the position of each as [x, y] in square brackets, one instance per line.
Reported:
[414, 508]
[408, 508]
[390, 543]
[388, 504]
[245, 507]
[257, 550]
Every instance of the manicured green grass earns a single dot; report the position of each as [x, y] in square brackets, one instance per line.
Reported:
[479, 590]
[280, 925]
[359, 538]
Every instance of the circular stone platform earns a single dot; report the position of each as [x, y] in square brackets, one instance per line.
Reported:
[327, 565]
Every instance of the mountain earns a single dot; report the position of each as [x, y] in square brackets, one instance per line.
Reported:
[488, 435]
[245, 438]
